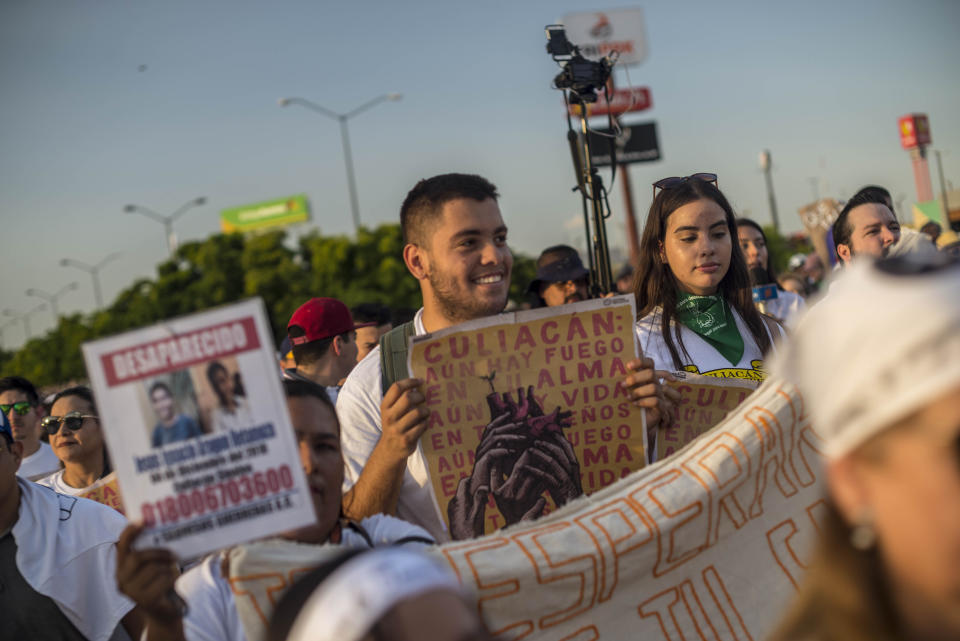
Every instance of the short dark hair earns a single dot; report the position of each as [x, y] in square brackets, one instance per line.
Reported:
[20, 384]
[842, 231]
[160, 385]
[425, 201]
[310, 353]
[371, 313]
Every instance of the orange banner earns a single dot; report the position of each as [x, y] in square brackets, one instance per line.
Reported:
[528, 411]
[704, 402]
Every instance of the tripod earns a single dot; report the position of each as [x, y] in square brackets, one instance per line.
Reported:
[594, 198]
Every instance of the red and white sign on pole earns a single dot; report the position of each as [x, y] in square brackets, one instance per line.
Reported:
[914, 131]
[598, 33]
[621, 101]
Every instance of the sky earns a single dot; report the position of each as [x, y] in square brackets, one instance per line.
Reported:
[111, 103]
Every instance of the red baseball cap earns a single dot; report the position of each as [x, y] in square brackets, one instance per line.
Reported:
[321, 318]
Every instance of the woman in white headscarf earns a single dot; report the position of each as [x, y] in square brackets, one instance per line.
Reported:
[878, 362]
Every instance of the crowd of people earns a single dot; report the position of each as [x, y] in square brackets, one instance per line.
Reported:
[874, 346]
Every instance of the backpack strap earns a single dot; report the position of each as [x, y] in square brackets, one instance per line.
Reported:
[393, 355]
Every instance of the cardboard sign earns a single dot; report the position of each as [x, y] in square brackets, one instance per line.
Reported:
[528, 411]
[704, 402]
[198, 430]
[105, 491]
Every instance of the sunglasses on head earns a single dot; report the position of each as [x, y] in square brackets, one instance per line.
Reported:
[73, 421]
[21, 408]
[675, 181]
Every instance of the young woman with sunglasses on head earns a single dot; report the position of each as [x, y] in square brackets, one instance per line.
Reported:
[694, 300]
[77, 439]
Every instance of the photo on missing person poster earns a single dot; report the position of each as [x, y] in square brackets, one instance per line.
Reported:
[198, 430]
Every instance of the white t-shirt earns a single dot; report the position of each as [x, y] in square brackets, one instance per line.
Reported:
[66, 550]
[358, 408]
[39, 464]
[239, 419]
[55, 482]
[703, 358]
[213, 615]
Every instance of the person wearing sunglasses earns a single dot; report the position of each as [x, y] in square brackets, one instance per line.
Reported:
[77, 440]
[694, 301]
[20, 403]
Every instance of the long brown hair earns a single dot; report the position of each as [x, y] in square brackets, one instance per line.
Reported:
[843, 596]
[655, 284]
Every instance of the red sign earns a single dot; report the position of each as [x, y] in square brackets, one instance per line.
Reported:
[178, 352]
[622, 101]
[914, 131]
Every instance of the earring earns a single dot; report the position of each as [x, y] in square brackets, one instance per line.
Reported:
[863, 536]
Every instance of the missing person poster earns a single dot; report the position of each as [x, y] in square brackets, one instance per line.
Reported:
[528, 411]
[198, 431]
[704, 402]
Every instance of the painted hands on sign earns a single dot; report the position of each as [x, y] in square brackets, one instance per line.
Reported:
[643, 383]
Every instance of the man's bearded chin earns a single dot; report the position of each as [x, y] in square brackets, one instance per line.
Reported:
[456, 309]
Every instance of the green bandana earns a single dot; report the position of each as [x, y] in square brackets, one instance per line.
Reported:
[711, 319]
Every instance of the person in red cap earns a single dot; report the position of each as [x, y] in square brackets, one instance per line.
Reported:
[324, 340]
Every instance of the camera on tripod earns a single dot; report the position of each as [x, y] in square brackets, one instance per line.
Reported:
[581, 76]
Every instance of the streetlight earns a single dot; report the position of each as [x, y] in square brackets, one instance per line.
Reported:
[93, 270]
[25, 318]
[166, 220]
[344, 137]
[52, 298]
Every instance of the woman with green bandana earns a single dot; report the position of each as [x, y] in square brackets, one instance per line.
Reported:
[693, 291]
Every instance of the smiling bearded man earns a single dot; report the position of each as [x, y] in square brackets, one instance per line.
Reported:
[456, 247]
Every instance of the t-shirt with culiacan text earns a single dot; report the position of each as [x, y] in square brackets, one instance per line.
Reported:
[700, 357]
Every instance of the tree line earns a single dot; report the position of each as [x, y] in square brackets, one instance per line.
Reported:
[229, 267]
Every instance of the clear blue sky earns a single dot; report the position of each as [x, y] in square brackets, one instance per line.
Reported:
[83, 131]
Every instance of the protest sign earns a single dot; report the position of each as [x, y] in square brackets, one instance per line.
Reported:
[711, 543]
[106, 491]
[527, 411]
[197, 427]
[704, 402]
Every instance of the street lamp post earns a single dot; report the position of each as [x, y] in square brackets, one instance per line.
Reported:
[94, 271]
[25, 318]
[344, 138]
[52, 298]
[166, 220]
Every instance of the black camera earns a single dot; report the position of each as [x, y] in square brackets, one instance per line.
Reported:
[581, 76]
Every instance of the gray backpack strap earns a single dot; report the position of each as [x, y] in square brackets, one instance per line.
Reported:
[393, 355]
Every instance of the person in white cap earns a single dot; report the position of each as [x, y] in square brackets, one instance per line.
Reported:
[394, 594]
[878, 363]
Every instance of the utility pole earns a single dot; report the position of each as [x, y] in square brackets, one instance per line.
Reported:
[766, 164]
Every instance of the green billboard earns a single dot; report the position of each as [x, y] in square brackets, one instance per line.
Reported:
[271, 213]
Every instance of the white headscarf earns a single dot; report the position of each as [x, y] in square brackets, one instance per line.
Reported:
[356, 595]
[878, 348]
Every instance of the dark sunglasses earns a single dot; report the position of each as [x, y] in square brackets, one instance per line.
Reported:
[20, 408]
[73, 421]
[675, 181]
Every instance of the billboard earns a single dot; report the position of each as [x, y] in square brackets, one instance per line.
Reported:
[636, 143]
[621, 102]
[598, 33]
[271, 213]
[914, 131]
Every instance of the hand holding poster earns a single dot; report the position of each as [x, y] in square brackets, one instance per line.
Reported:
[528, 411]
[198, 430]
[704, 402]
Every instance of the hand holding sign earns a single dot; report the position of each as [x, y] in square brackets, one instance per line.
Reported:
[404, 418]
[646, 392]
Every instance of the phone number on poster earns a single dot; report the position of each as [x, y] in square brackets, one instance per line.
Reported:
[214, 497]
